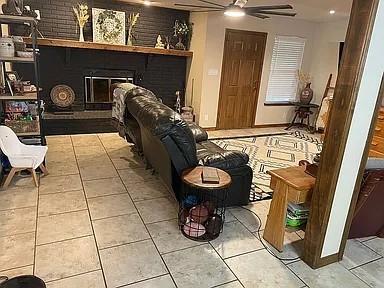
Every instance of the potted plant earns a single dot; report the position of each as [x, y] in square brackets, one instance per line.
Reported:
[181, 31]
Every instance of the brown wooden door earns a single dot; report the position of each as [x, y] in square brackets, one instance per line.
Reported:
[240, 78]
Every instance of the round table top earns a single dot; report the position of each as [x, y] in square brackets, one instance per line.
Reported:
[193, 177]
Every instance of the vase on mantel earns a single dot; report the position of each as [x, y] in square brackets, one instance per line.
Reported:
[81, 38]
[306, 94]
[179, 45]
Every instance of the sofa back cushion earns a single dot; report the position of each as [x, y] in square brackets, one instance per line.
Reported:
[164, 123]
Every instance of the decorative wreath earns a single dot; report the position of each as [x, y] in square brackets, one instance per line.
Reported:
[109, 25]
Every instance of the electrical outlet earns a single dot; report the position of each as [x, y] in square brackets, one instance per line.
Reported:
[206, 117]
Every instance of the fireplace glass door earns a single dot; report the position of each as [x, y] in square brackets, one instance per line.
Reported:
[98, 89]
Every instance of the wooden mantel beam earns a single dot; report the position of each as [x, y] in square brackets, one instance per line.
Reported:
[109, 47]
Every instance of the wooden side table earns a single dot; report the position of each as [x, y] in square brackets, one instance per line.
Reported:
[202, 205]
[289, 184]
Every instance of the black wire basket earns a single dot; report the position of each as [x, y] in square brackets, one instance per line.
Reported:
[202, 213]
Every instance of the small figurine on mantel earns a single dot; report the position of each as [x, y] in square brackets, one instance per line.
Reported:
[159, 43]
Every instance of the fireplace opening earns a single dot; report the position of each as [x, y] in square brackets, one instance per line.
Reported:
[98, 94]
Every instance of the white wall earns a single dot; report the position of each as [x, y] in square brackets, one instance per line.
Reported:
[358, 133]
[216, 25]
[320, 59]
[326, 46]
[196, 64]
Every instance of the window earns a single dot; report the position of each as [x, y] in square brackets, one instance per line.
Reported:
[287, 57]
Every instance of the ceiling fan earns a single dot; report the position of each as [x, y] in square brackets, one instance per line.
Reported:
[237, 9]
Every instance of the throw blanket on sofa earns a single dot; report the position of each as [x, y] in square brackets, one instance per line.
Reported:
[119, 95]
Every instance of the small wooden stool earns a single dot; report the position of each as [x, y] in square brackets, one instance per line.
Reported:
[289, 184]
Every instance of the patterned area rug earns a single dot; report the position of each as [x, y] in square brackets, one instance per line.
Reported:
[273, 152]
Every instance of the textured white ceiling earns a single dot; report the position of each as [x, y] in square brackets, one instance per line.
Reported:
[314, 10]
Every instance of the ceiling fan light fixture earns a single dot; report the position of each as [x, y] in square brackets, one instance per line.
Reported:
[147, 3]
[234, 11]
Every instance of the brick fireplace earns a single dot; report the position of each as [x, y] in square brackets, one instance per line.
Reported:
[77, 67]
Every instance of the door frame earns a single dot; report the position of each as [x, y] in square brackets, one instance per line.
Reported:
[257, 92]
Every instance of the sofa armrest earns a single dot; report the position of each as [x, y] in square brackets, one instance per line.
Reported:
[225, 160]
[198, 133]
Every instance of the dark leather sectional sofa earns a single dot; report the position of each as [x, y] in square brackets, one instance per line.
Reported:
[170, 145]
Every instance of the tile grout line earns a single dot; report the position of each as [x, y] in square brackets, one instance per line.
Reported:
[146, 228]
[35, 206]
[225, 263]
[286, 265]
[363, 243]
[126, 243]
[63, 240]
[141, 281]
[90, 219]
[186, 248]
[72, 276]
[18, 267]
[61, 213]
[369, 262]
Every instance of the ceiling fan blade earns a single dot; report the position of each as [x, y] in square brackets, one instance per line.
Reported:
[212, 10]
[277, 13]
[194, 6]
[270, 7]
[257, 15]
[212, 3]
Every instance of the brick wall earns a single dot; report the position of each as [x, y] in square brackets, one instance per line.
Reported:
[161, 74]
[58, 20]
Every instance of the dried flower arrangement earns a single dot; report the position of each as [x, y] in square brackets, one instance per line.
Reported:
[81, 12]
[182, 30]
[303, 78]
[132, 20]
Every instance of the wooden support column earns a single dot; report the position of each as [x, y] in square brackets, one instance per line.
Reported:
[344, 157]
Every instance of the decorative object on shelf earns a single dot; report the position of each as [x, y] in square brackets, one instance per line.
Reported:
[62, 96]
[178, 102]
[108, 26]
[304, 86]
[24, 54]
[35, 14]
[181, 30]
[29, 13]
[132, 20]
[19, 44]
[13, 7]
[306, 94]
[7, 47]
[159, 43]
[81, 12]
[168, 44]
[14, 81]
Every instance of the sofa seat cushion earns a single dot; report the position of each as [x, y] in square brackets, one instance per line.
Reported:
[209, 154]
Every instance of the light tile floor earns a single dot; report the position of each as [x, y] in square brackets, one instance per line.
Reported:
[101, 220]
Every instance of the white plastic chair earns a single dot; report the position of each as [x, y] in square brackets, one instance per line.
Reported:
[21, 156]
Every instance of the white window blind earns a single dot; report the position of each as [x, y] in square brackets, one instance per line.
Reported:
[287, 58]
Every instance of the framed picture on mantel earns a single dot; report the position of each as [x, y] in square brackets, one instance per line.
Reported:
[108, 26]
